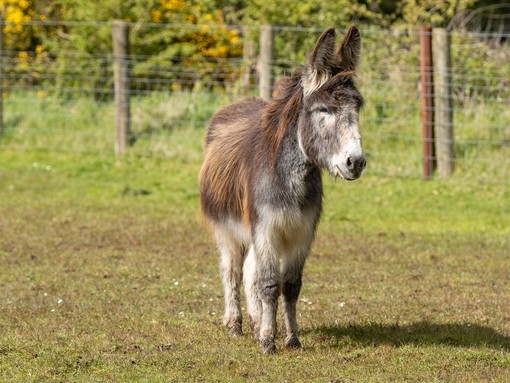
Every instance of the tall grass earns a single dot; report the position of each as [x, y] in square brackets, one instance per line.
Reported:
[168, 124]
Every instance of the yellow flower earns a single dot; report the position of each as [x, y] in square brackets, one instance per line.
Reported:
[222, 51]
[234, 39]
[39, 49]
[41, 94]
[175, 5]
[23, 4]
[156, 15]
[23, 56]
[14, 15]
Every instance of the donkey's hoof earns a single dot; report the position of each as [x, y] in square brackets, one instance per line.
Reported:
[268, 346]
[292, 342]
[235, 330]
[234, 326]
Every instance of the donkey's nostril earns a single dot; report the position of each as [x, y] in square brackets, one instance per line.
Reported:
[357, 163]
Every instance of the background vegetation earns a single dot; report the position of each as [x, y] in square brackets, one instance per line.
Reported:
[306, 13]
[208, 30]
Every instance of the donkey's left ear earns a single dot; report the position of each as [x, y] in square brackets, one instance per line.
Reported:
[323, 53]
[349, 51]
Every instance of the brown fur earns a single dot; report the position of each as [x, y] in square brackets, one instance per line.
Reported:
[224, 179]
[280, 113]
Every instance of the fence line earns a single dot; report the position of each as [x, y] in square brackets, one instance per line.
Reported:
[64, 99]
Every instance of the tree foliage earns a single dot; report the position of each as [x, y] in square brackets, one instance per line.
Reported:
[432, 12]
[202, 31]
[217, 42]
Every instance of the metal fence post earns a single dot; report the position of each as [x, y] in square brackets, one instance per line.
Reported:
[443, 102]
[265, 62]
[120, 36]
[427, 100]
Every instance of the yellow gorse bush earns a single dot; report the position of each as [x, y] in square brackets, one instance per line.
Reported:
[213, 38]
[16, 13]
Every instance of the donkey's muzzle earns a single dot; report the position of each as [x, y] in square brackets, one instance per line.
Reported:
[355, 165]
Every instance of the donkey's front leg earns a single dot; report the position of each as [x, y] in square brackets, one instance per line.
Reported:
[269, 282]
[292, 274]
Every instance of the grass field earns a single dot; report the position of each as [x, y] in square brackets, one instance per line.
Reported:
[107, 276]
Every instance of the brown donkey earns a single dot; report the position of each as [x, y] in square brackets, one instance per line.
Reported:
[261, 186]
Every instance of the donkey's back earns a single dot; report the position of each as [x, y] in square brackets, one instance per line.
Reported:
[235, 119]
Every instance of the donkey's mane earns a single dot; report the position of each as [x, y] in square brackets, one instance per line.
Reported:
[281, 113]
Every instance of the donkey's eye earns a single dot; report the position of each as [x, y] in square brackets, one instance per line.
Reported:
[323, 109]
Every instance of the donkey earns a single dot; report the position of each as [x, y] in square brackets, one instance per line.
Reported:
[261, 186]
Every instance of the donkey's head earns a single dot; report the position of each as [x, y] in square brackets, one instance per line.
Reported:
[328, 128]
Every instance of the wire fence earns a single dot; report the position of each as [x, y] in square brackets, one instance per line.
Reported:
[61, 98]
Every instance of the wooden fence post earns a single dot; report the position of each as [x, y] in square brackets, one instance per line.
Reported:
[120, 35]
[248, 59]
[265, 62]
[427, 100]
[443, 102]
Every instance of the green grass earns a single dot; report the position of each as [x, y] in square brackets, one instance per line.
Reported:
[167, 125]
[86, 126]
[108, 276]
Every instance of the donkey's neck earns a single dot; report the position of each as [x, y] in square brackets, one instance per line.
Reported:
[294, 179]
[295, 173]
[291, 160]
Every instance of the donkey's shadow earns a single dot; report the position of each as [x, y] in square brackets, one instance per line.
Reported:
[420, 333]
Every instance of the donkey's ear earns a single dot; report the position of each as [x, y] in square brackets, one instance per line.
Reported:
[318, 68]
[349, 51]
[321, 57]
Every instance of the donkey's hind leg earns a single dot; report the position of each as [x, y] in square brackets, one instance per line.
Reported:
[231, 268]
[253, 302]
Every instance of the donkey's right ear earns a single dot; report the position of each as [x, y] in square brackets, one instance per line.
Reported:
[318, 68]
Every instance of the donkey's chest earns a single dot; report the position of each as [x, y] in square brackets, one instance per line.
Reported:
[287, 228]
[289, 209]
[290, 191]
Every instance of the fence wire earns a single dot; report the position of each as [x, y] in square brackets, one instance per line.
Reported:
[56, 98]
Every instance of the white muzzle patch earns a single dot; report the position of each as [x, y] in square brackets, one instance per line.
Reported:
[339, 166]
